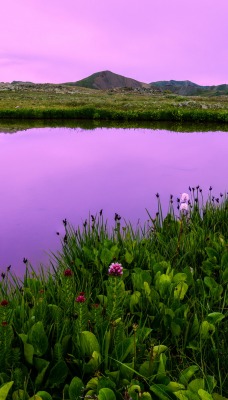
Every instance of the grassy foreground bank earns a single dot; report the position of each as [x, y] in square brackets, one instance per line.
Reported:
[80, 103]
[126, 313]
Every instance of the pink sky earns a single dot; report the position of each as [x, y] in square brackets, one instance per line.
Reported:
[148, 40]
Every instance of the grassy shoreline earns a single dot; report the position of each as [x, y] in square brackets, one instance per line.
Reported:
[159, 331]
[79, 103]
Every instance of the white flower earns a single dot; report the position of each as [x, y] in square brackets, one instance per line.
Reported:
[184, 208]
[184, 198]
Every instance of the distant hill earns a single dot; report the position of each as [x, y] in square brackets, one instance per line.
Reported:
[108, 80]
[190, 88]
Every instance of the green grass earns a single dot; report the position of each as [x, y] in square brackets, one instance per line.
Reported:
[159, 331]
[80, 103]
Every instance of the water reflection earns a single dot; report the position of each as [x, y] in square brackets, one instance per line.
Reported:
[48, 174]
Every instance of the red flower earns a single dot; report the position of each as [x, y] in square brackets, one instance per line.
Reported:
[4, 323]
[4, 303]
[68, 272]
[81, 298]
[95, 305]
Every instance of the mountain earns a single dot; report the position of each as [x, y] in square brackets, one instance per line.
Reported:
[108, 80]
[190, 88]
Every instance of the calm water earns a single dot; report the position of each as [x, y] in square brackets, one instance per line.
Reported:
[48, 174]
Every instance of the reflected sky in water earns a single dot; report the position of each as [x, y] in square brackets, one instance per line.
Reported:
[48, 174]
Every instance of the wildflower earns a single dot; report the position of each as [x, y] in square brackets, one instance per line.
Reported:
[115, 269]
[68, 272]
[117, 217]
[4, 303]
[184, 209]
[25, 260]
[3, 275]
[157, 195]
[96, 305]
[4, 323]
[184, 197]
[65, 222]
[81, 298]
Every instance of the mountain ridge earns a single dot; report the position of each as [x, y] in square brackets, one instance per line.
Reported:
[106, 80]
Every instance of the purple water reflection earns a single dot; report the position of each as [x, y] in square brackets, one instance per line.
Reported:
[49, 174]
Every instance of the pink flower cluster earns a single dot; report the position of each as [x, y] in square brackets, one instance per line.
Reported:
[68, 272]
[115, 269]
[81, 298]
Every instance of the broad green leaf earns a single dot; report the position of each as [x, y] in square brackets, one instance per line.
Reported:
[212, 253]
[181, 395]
[106, 394]
[180, 290]
[175, 386]
[225, 276]
[129, 257]
[215, 317]
[147, 368]
[147, 289]
[224, 260]
[163, 284]
[210, 282]
[217, 396]
[38, 338]
[88, 343]
[134, 300]
[206, 330]
[57, 374]
[75, 388]
[20, 395]
[23, 337]
[92, 384]
[175, 329]
[157, 350]
[162, 392]
[44, 395]
[105, 382]
[195, 326]
[204, 395]
[41, 366]
[186, 395]
[106, 256]
[28, 352]
[4, 390]
[180, 277]
[196, 384]
[161, 373]
[146, 396]
[93, 364]
[186, 375]
[35, 397]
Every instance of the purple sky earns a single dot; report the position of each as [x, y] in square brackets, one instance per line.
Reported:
[148, 40]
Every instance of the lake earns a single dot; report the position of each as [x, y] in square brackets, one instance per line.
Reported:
[48, 174]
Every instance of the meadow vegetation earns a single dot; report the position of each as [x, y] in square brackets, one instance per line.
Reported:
[124, 312]
[110, 105]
